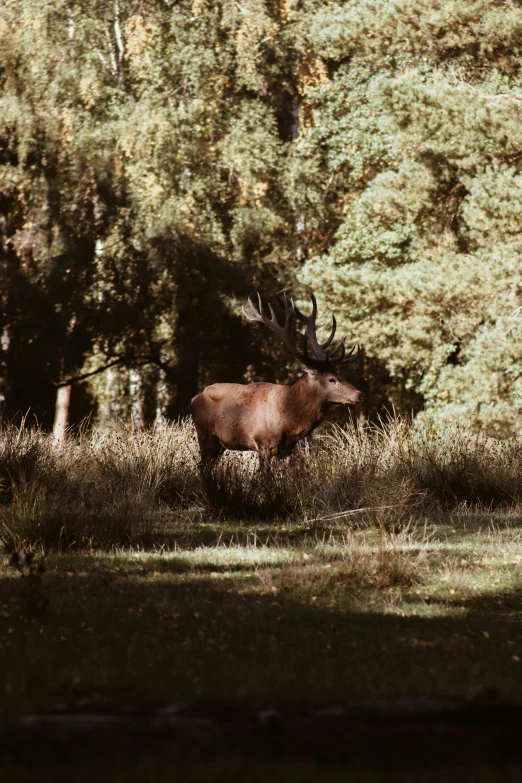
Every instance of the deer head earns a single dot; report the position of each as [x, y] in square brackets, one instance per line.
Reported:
[320, 365]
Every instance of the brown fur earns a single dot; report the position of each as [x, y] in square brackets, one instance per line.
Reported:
[266, 417]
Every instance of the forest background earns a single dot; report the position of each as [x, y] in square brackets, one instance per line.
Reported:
[161, 160]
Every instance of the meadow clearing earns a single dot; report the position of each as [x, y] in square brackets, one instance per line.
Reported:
[381, 563]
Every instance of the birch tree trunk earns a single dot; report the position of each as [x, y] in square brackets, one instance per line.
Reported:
[135, 395]
[61, 415]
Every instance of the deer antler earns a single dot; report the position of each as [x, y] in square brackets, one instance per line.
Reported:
[340, 356]
[282, 331]
[321, 359]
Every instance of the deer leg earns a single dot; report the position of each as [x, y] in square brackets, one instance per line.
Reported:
[285, 451]
[263, 458]
[210, 448]
[269, 453]
[265, 455]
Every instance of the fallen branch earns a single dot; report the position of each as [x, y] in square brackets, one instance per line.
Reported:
[352, 511]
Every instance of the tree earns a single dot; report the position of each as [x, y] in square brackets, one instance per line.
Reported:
[160, 161]
[146, 147]
[417, 136]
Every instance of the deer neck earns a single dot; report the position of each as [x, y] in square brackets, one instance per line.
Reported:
[304, 408]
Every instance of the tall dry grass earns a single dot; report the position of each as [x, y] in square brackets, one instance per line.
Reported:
[105, 489]
[122, 488]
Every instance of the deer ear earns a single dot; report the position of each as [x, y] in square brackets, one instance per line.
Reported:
[310, 370]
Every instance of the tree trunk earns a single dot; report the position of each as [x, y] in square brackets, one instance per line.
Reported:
[188, 363]
[4, 347]
[61, 415]
[161, 399]
[109, 406]
[135, 394]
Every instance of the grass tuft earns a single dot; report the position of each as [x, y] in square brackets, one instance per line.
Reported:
[235, 487]
[101, 490]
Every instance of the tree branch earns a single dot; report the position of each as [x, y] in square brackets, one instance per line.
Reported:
[83, 376]
[128, 360]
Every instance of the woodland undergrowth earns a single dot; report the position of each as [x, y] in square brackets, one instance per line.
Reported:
[120, 488]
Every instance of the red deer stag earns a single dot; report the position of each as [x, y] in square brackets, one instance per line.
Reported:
[270, 418]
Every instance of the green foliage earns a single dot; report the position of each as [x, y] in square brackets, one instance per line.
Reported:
[419, 130]
[142, 154]
[156, 160]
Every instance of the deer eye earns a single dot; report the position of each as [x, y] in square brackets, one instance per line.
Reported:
[332, 380]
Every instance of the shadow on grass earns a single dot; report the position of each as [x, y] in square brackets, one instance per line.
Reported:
[162, 629]
[188, 530]
[175, 633]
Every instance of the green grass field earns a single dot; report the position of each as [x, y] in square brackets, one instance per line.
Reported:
[253, 612]
[154, 591]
